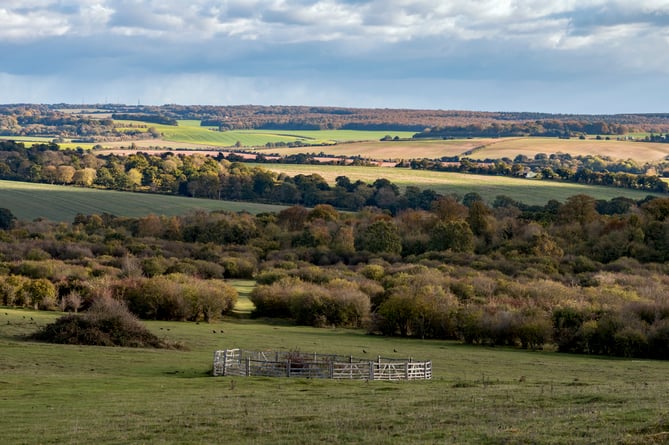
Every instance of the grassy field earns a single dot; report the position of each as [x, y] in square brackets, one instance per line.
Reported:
[55, 394]
[189, 132]
[523, 190]
[62, 203]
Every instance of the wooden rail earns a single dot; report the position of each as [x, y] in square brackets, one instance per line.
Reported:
[237, 362]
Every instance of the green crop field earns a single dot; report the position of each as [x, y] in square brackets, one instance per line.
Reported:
[523, 190]
[190, 132]
[62, 203]
[53, 394]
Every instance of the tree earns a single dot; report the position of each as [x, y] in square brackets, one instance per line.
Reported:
[6, 219]
[578, 208]
[380, 237]
[85, 177]
[453, 235]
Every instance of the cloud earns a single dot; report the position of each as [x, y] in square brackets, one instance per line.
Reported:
[276, 50]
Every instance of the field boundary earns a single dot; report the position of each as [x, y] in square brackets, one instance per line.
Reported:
[241, 363]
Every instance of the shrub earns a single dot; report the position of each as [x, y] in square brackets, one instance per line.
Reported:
[107, 323]
[42, 293]
[418, 309]
[211, 298]
[340, 303]
[373, 271]
[270, 276]
[11, 291]
[470, 324]
[534, 330]
[631, 341]
[658, 340]
[270, 300]
[179, 297]
[567, 333]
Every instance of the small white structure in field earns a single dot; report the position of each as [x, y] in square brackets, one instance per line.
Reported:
[237, 362]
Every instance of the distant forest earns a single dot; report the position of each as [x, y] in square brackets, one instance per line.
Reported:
[96, 121]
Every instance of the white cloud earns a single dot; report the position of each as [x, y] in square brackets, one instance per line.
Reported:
[31, 25]
[295, 51]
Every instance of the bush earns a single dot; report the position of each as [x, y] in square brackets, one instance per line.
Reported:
[42, 293]
[567, 333]
[107, 323]
[658, 340]
[11, 293]
[178, 297]
[340, 303]
[534, 330]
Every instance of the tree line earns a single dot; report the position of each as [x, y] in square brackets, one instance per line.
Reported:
[589, 169]
[63, 120]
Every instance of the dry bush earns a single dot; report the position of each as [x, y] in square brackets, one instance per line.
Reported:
[107, 323]
[178, 297]
[339, 303]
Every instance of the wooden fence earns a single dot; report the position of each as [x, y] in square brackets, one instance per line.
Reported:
[237, 362]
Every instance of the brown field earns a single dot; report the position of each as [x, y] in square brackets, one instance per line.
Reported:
[490, 148]
[511, 147]
[391, 150]
[474, 148]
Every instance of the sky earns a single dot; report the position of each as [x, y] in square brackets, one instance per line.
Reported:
[555, 56]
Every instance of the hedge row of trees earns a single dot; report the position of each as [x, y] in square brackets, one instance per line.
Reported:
[541, 127]
[198, 176]
[591, 170]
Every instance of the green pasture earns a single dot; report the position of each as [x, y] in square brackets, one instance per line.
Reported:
[62, 203]
[55, 394]
[190, 132]
[524, 190]
[332, 136]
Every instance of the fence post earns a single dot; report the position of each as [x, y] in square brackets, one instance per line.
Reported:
[406, 370]
[248, 366]
[331, 369]
[371, 370]
[225, 362]
[288, 368]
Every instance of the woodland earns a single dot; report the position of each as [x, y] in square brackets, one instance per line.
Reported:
[581, 276]
[575, 279]
[97, 122]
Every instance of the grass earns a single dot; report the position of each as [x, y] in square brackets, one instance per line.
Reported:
[189, 132]
[62, 203]
[527, 191]
[75, 394]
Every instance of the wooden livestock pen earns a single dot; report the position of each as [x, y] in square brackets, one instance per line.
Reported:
[237, 362]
